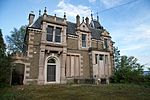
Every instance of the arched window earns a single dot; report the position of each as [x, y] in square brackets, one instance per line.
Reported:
[51, 61]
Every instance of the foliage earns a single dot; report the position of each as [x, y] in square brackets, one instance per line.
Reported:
[4, 63]
[117, 58]
[16, 40]
[76, 92]
[129, 71]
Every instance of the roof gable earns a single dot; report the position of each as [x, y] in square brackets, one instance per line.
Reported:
[83, 27]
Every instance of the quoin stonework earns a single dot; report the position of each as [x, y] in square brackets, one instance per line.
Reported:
[58, 51]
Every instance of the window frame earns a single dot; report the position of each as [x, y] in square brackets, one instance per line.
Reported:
[84, 41]
[54, 34]
[51, 33]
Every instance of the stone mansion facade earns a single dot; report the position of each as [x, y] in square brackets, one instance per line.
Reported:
[58, 51]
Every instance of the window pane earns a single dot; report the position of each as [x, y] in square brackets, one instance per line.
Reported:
[49, 33]
[58, 34]
[58, 31]
[83, 36]
[105, 44]
[83, 40]
[57, 38]
[51, 73]
[49, 37]
[50, 29]
[96, 55]
[101, 57]
[51, 61]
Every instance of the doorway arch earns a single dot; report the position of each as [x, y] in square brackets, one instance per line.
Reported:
[52, 70]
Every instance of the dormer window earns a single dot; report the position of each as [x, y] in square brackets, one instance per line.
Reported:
[53, 34]
[83, 40]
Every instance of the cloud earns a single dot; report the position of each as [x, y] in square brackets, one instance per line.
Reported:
[140, 32]
[71, 10]
[92, 1]
[110, 3]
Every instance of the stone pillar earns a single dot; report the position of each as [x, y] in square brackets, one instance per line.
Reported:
[63, 61]
[43, 37]
[64, 35]
[41, 78]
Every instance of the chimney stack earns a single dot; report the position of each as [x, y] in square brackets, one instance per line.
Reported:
[87, 21]
[31, 17]
[78, 20]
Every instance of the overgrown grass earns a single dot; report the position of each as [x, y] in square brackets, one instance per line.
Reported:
[76, 92]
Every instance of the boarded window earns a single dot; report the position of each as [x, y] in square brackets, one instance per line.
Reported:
[72, 66]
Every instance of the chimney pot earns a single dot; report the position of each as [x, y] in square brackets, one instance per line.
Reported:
[87, 21]
[31, 17]
[78, 20]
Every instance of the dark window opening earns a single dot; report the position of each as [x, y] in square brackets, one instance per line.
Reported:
[58, 35]
[51, 73]
[101, 57]
[96, 56]
[51, 61]
[83, 40]
[49, 33]
[105, 44]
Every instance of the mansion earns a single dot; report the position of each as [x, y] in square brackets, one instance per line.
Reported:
[58, 51]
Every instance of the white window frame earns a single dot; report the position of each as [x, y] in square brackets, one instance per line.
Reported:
[85, 41]
[57, 69]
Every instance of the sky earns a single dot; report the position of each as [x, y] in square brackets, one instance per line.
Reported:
[127, 21]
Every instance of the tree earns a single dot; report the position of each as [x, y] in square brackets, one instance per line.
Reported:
[116, 57]
[5, 61]
[16, 40]
[129, 70]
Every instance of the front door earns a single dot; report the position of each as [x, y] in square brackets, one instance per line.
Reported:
[51, 73]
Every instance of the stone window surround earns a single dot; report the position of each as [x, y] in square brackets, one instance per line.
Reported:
[87, 41]
[80, 65]
[99, 53]
[108, 42]
[54, 28]
[84, 40]
[105, 54]
[57, 69]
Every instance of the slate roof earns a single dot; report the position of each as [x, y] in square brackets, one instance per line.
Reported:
[95, 24]
[95, 33]
[71, 28]
[37, 23]
[96, 30]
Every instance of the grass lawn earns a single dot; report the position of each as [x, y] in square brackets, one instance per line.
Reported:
[76, 92]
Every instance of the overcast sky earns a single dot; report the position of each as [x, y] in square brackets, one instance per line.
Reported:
[129, 24]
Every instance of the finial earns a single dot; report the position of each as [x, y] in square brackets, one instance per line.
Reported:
[97, 17]
[39, 12]
[83, 19]
[45, 10]
[64, 15]
[91, 15]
